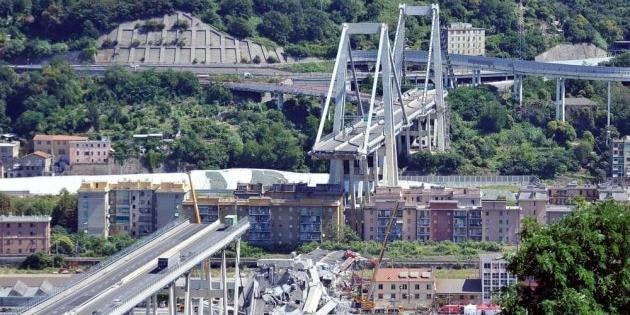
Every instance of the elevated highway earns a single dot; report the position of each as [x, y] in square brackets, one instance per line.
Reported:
[515, 66]
[118, 287]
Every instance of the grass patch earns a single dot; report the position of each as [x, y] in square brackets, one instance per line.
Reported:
[307, 67]
[265, 42]
[456, 273]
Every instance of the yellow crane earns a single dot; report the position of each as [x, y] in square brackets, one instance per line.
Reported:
[194, 199]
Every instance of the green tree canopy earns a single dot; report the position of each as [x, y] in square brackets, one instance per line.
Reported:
[581, 265]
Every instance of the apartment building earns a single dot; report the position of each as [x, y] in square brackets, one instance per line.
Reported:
[37, 163]
[564, 195]
[24, 235]
[424, 214]
[620, 167]
[616, 193]
[465, 39]
[409, 289]
[501, 223]
[136, 208]
[494, 276]
[281, 214]
[56, 145]
[89, 151]
[533, 199]
[457, 291]
[9, 151]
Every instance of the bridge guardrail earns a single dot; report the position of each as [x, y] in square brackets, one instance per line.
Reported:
[105, 263]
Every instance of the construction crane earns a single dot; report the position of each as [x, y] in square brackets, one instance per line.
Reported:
[367, 302]
[194, 199]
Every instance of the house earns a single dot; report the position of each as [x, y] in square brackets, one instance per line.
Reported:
[409, 289]
[56, 145]
[38, 163]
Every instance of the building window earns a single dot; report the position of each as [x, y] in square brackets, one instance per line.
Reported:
[428, 286]
[393, 287]
[429, 296]
[416, 296]
[380, 287]
[417, 287]
[404, 286]
[393, 296]
[380, 296]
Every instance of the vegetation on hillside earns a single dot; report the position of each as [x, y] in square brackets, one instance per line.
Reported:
[34, 29]
[581, 265]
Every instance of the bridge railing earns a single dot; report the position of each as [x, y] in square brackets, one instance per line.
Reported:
[472, 180]
[105, 263]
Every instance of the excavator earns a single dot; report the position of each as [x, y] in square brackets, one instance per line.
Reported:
[365, 298]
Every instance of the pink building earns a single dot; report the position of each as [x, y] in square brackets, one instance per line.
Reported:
[24, 235]
[89, 151]
[56, 145]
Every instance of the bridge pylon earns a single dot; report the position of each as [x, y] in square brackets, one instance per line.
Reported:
[434, 63]
[361, 146]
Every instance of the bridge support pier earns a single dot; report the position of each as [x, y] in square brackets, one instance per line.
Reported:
[209, 279]
[154, 304]
[172, 299]
[224, 300]
[148, 305]
[560, 99]
[187, 303]
[237, 276]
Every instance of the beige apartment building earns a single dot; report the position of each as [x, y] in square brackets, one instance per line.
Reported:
[501, 223]
[465, 39]
[136, 208]
[89, 151]
[24, 235]
[409, 289]
[533, 200]
[564, 195]
[281, 214]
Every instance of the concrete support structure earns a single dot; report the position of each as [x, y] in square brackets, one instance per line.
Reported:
[154, 304]
[172, 299]
[560, 99]
[209, 279]
[187, 302]
[563, 93]
[237, 275]
[224, 299]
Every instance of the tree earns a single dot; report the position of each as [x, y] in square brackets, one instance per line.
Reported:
[65, 212]
[237, 8]
[492, 118]
[580, 264]
[239, 27]
[560, 131]
[276, 26]
[38, 261]
[5, 204]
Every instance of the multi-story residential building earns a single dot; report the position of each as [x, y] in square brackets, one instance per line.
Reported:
[424, 214]
[37, 163]
[532, 200]
[89, 151]
[409, 289]
[136, 208]
[500, 222]
[555, 213]
[283, 214]
[494, 276]
[93, 208]
[621, 158]
[24, 235]
[56, 145]
[9, 151]
[465, 39]
[564, 195]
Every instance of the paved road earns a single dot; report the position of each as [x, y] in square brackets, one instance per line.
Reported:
[192, 252]
[149, 255]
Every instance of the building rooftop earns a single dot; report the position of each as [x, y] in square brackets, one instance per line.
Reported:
[457, 286]
[9, 144]
[558, 208]
[58, 138]
[24, 218]
[403, 274]
[41, 154]
[462, 26]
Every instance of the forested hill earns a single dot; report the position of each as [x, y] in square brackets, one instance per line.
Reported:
[36, 28]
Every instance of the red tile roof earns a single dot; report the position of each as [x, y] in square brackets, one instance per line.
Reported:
[58, 138]
[403, 275]
[41, 154]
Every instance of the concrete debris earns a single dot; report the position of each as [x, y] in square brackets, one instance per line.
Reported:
[312, 283]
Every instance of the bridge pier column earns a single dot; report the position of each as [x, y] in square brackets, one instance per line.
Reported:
[200, 306]
[172, 299]
[407, 141]
[562, 93]
[353, 193]
[148, 305]
[558, 98]
[279, 101]
[366, 180]
[154, 304]
[520, 90]
[224, 302]
[608, 99]
[237, 276]
[187, 304]
[209, 279]
[429, 141]
[375, 167]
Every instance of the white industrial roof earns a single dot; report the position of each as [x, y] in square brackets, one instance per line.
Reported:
[203, 180]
